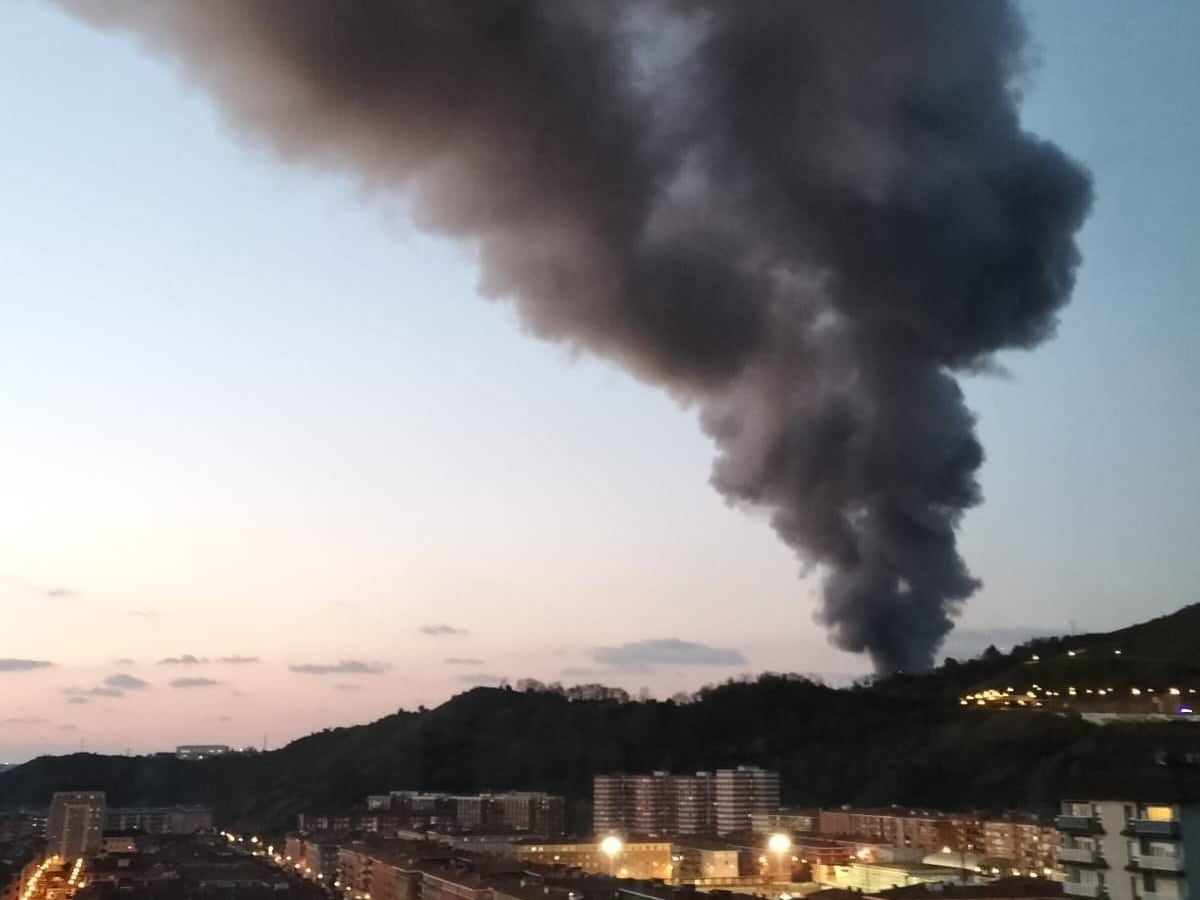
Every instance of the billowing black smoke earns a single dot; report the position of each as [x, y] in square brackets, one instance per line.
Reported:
[802, 217]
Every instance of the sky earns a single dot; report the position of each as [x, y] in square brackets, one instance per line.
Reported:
[272, 464]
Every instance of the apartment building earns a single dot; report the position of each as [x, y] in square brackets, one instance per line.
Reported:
[792, 821]
[1021, 845]
[159, 819]
[693, 808]
[532, 811]
[741, 792]
[634, 859]
[76, 824]
[661, 803]
[927, 830]
[1130, 850]
[321, 861]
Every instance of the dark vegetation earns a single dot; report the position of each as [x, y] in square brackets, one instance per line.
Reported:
[902, 740]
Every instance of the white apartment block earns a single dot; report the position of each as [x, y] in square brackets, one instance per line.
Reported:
[1130, 850]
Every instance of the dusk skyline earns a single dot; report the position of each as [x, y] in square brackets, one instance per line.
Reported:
[278, 467]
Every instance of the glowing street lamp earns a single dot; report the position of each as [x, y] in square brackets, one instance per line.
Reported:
[611, 847]
[779, 844]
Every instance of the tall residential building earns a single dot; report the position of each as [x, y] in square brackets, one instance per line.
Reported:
[691, 798]
[650, 803]
[610, 806]
[741, 792]
[702, 803]
[76, 824]
[1130, 850]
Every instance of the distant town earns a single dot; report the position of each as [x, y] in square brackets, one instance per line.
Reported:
[655, 836]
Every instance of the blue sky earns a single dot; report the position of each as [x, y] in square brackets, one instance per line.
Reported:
[250, 412]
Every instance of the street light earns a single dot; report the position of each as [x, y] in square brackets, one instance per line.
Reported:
[611, 847]
[779, 844]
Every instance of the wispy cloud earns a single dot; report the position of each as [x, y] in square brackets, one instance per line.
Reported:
[23, 665]
[641, 655]
[126, 661]
[126, 682]
[186, 660]
[347, 688]
[67, 728]
[141, 613]
[78, 701]
[464, 661]
[342, 667]
[101, 691]
[23, 721]
[238, 660]
[59, 593]
[441, 630]
[481, 679]
[193, 682]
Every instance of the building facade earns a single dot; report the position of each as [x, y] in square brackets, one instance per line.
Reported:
[75, 827]
[926, 830]
[528, 811]
[741, 792]
[792, 821]
[702, 803]
[1021, 845]
[1130, 850]
[635, 859]
[159, 819]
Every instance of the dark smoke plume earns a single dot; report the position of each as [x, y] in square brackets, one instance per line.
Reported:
[804, 218]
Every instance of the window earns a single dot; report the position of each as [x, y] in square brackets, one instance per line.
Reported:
[1159, 814]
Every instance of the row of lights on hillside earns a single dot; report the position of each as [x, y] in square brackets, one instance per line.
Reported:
[1008, 695]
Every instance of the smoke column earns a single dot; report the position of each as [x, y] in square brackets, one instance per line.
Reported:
[802, 219]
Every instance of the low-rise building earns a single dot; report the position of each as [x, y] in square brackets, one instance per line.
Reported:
[787, 821]
[159, 819]
[649, 858]
[1021, 845]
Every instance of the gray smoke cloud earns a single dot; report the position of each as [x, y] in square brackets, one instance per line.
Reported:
[804, 219]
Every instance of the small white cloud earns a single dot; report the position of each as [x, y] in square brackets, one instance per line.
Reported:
[441, 630]
[193, 682]
[342, 667]
[23, 665]
[642, 655]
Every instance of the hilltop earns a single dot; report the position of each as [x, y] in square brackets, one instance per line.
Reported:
[905, 739]
[1137, 668]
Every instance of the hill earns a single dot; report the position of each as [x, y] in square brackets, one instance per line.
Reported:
[904, 739]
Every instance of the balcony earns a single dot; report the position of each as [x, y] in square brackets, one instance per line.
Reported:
[1089, 889]
[1153, 828]
[1078, 824]
[1081, 856]
[1157, 862]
